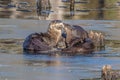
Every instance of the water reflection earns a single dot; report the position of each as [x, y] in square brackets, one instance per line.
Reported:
[42, 60]
[16, 9]
[43, 8]
[62, 9]
[17, 66]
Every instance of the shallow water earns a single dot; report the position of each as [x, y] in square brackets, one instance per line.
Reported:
[83, 9]
[16, 65]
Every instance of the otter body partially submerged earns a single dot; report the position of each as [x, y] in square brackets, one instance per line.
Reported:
[44, 41]
[63, 38]
[77, 39]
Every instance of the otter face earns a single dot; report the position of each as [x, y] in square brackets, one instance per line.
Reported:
[57, 25]
[55, 29]
[68, 31]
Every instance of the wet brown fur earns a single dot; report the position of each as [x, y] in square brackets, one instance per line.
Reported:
[75, 34]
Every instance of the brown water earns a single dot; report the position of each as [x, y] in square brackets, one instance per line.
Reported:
[84, 10]
[17, 65]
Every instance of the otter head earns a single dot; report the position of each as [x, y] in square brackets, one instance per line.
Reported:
[67, 30]
[55, 29]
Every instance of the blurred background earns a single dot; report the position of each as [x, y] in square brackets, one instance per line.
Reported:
[60, 9]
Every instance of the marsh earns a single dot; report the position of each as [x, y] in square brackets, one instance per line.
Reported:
[52, 9]
[16, 65]
[16, 24]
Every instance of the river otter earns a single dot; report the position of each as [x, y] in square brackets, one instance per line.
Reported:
[74, 34]
[64, 38]
[44, 41]
[77, 39]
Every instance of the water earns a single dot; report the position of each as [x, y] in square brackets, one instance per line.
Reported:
[16, 24]
[16, 65]
[84, 10]
[37, 67]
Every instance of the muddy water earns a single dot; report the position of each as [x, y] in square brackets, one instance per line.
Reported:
[83, 9]
[17, 65]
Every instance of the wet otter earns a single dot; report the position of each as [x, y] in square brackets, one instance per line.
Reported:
[44, 41]
[74, 33]
[77, 39]
[64, 38]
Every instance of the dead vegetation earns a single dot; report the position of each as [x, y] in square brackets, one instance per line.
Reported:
[11, 46]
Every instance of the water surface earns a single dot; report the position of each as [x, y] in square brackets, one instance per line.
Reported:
[16, 65]
[52, 9]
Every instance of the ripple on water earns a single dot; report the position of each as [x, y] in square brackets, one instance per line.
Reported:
[20, 66]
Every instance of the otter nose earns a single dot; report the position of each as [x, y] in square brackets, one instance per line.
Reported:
[64, 35]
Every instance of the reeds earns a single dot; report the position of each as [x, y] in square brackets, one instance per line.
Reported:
[98, 39]
[109, 74]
